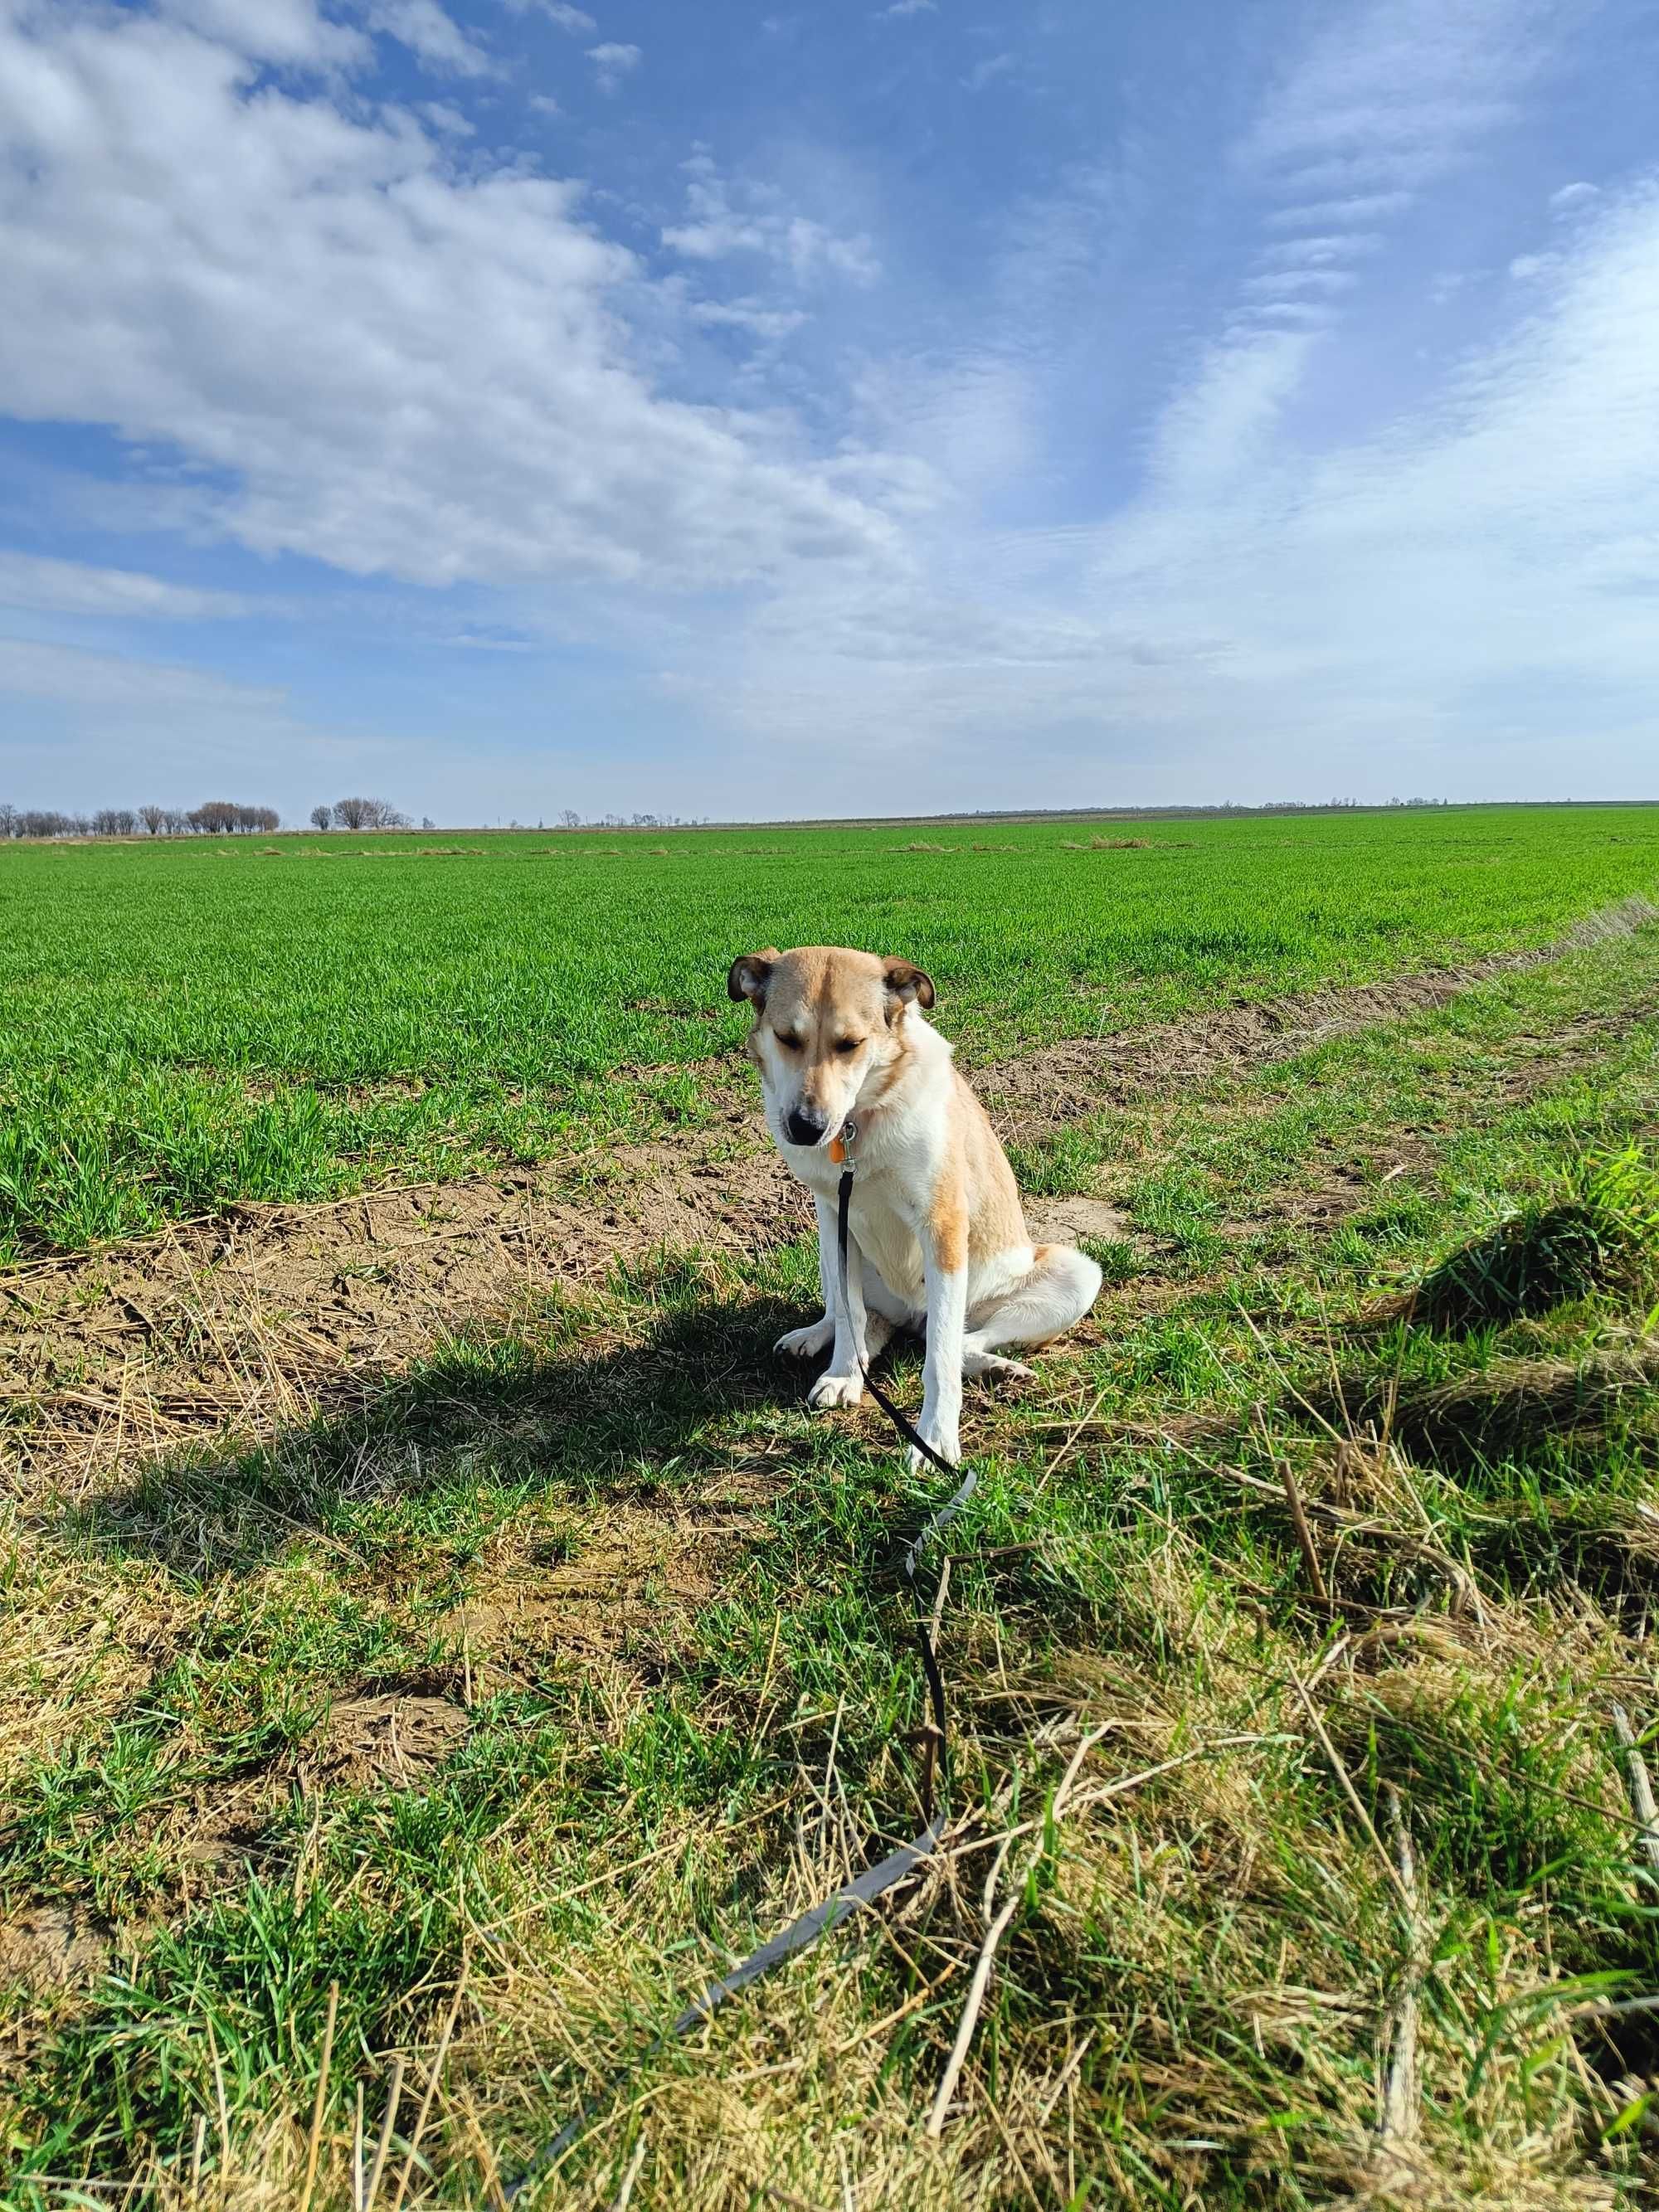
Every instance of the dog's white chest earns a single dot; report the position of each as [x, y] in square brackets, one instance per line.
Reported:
[887, 1240]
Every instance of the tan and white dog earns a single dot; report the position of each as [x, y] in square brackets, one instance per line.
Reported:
[936, 1231]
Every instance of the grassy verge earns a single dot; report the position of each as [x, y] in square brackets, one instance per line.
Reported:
[511, 1708]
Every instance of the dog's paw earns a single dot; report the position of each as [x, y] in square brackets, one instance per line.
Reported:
[830, 1391]
[806, 1343]
[947, 1445]
[991, 1367]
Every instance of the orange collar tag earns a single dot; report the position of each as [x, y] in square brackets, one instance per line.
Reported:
[837, 1150]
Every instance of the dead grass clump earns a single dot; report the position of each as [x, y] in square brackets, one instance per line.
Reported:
[392, 1737]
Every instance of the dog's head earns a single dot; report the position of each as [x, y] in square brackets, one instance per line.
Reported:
[829, 1024]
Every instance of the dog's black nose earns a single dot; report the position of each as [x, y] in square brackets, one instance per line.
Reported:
[802, 1127]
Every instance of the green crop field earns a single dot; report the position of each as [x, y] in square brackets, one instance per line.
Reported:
[193, 1022]
[436, 1641]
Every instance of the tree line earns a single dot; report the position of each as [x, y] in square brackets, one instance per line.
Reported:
[218, 817]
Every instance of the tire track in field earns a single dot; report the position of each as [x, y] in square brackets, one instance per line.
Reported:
[255, 1322]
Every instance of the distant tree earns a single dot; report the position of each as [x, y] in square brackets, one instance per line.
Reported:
[322, 817]
[369, 814]
[570, 819]
[113, 821]
[154, 818]
[177, 822]
[217, 818]
[7, 821]
[426, 822]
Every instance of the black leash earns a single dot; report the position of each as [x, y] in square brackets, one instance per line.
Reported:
[937, 1522]
[801, 1934]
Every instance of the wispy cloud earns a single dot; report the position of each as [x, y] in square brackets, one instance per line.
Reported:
[614, 62]
[986, 71]
[576, 21]
[726, 216]
[435, 37]
[38, 584]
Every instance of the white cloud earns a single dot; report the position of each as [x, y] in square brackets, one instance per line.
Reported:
[443, 115]
[1280, 280]
[1373, 208]
[284, 31]
[366, 358]
[1528, 268]
[988, 72]
[1377, 108]
[614, 62]
[43, 586]
[71, 677]
[729, 216]
[1320, 252]
[1398, 91]
[576, 21]
[1468, 594]
[1573, 199]
[752, 315]
[423, 28]
[544, 104]
[906, 8]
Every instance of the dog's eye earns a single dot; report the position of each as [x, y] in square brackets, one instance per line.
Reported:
[789, 1043]
[848, 1044]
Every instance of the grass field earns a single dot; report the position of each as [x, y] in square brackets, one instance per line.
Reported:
[437, 1641]
[286, 1019]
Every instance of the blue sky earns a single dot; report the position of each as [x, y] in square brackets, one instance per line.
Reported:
[772, 410]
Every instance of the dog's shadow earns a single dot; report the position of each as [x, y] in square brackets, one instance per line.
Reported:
[492, 1414]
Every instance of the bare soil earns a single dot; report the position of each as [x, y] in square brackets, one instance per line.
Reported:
[370, 1740]
[50, 1947]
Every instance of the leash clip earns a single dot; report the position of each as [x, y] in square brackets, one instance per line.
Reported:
[840, 1150]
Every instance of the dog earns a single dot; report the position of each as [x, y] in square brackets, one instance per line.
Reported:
[936, 1232]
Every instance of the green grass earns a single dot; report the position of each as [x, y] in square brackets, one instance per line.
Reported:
[187, 1024]
[1196, 1994]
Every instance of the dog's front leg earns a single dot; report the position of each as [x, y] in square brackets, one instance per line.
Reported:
[807, 1343]
[945, 1262]
[842, 1383]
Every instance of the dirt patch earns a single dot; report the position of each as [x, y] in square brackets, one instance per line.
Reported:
[1066, 1220]
[397, 1737]
[50, 1946]
[256, 1321]
[623, 1581]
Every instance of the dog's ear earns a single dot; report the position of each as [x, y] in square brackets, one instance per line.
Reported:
[748, 978]
[905, 981]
